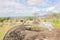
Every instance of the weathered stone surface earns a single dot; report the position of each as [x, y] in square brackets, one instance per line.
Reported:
[19, 33]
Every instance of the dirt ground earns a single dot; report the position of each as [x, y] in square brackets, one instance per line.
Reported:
[20, 34]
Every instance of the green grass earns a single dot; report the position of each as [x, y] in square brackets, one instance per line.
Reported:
[56, 23]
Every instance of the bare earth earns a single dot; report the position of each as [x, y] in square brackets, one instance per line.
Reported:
[20, 33]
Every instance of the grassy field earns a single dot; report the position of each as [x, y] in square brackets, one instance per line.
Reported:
[6, 26]
[56, 23]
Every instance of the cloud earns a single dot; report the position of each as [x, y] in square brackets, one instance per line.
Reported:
[50, 8]
[55, 8]
[24, 7]
[14, 8]
[35, 2]
[11, 8]
[44, 5]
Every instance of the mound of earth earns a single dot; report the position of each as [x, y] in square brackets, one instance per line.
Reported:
[19, 33]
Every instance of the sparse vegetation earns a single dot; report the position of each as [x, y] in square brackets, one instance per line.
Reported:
[6, 25]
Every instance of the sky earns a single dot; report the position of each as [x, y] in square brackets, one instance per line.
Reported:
[14, 8]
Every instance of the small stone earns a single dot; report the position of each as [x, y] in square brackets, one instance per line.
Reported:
[45, 39]
[36, 39]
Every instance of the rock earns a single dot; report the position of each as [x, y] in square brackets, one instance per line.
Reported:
[36, 39]
[19, 33]
[28, 27]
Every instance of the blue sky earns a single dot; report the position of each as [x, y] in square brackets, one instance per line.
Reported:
[13, 8]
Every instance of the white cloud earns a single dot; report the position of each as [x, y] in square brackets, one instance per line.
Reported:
[35, 9]
[35, 2]
[55, 8]
[11, 8]
[50, 8]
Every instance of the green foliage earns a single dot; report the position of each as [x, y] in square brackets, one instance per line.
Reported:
[3, 18]
[29, 18]
[57, 15]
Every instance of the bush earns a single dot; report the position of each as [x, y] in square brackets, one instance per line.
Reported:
[3, 19]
